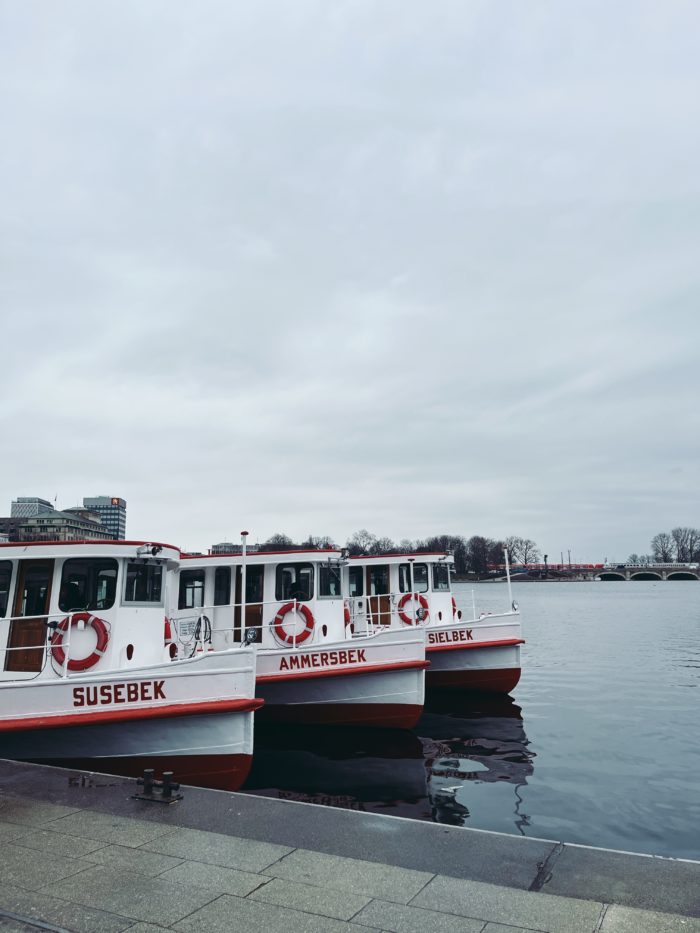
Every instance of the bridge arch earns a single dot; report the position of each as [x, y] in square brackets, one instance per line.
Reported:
[681, 575]
[646, 575]
[611, 575]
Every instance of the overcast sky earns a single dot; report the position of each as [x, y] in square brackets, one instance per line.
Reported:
[308, 267]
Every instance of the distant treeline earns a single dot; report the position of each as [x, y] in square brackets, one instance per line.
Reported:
[471, 555]
[681, 545]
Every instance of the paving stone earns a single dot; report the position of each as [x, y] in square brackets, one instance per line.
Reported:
[309, 898]
[136, 860]
[398, 918]
[11, 831]
[60, 913]
[229, 913]
[31, 812]
[528, 909]
[353, 875]
[130, 895]
[120, 830]
[59, 843]
[630, 920]
[641, 881]
[146, 928]
[30, 869]
[223, 880]
[217, 849]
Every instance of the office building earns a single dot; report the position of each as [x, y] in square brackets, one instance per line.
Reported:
[26, 506]
[112, 513]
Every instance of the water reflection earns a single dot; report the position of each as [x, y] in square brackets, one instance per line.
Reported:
[473, 740]
[441, 771]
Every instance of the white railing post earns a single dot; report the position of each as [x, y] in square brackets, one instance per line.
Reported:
[413, 589]
[244, 542]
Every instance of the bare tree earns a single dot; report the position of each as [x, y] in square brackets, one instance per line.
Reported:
[662, 547]
[361, 542]
[277, 543]
[683, 540]
[383, 546]
[477, 554]
[522, 550]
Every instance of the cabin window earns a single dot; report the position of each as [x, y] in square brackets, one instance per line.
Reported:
[378, 581]
[329, 582]
[144, 583]
[88, 583]
[441, 577]
[5, 580]
[254, 578]
[355, 587]
[294, 581]
[222, 586]
[420, 578]
[191, 594]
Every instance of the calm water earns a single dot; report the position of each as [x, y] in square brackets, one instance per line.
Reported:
[599, 744]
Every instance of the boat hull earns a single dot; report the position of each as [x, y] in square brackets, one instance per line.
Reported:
[194, 718]
[210, 750]
[479, 655]
[379, 681]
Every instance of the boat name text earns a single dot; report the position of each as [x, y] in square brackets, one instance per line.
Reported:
[442, 638]
[119, 693]
[302, 662]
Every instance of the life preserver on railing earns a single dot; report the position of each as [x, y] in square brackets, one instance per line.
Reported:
[346, 614]
[456, 613]
[79, 664]
[283, 635]
[421, 614]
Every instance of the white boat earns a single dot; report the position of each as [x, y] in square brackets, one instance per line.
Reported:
[312, 666]
[90, 677]
[466, 649]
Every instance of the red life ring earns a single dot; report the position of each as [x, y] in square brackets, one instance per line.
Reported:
[404, 616]
[79, 664]
[346, 613]
[284, 636]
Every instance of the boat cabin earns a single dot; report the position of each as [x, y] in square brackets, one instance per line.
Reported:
[292, 598]
[399, 589]
[68, 607]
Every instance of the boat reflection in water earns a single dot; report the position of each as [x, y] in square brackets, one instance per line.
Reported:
[471, 743]
[463, 747]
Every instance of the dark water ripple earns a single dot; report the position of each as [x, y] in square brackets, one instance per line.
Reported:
[598, 745]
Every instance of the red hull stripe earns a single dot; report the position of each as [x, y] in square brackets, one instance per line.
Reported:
[375, 715]
[344, 671]
[127, 714]
[220, 772]
[497, 680]
[470, 645]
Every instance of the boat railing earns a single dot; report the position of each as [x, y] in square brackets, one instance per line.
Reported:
[49, 652]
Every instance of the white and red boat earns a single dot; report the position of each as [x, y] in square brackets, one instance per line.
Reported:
[471, 651]
[312, 665]
[89, 672]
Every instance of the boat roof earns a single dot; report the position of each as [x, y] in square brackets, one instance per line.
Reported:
[267, 557]
[99, 548]
[431, 557]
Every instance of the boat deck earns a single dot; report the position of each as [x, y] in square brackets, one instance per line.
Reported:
[82, 855]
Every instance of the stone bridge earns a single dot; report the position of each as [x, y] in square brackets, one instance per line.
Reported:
[688, 571]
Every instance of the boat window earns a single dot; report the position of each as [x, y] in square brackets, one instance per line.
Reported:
[378, 582]
[222, 586]
[254, 577]
[191, 594]
[144, 582]
[329, 583]
[294, 581]
[5, 580]
[355, 581]
[441, 577]
[420, 578]
[88, 583]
